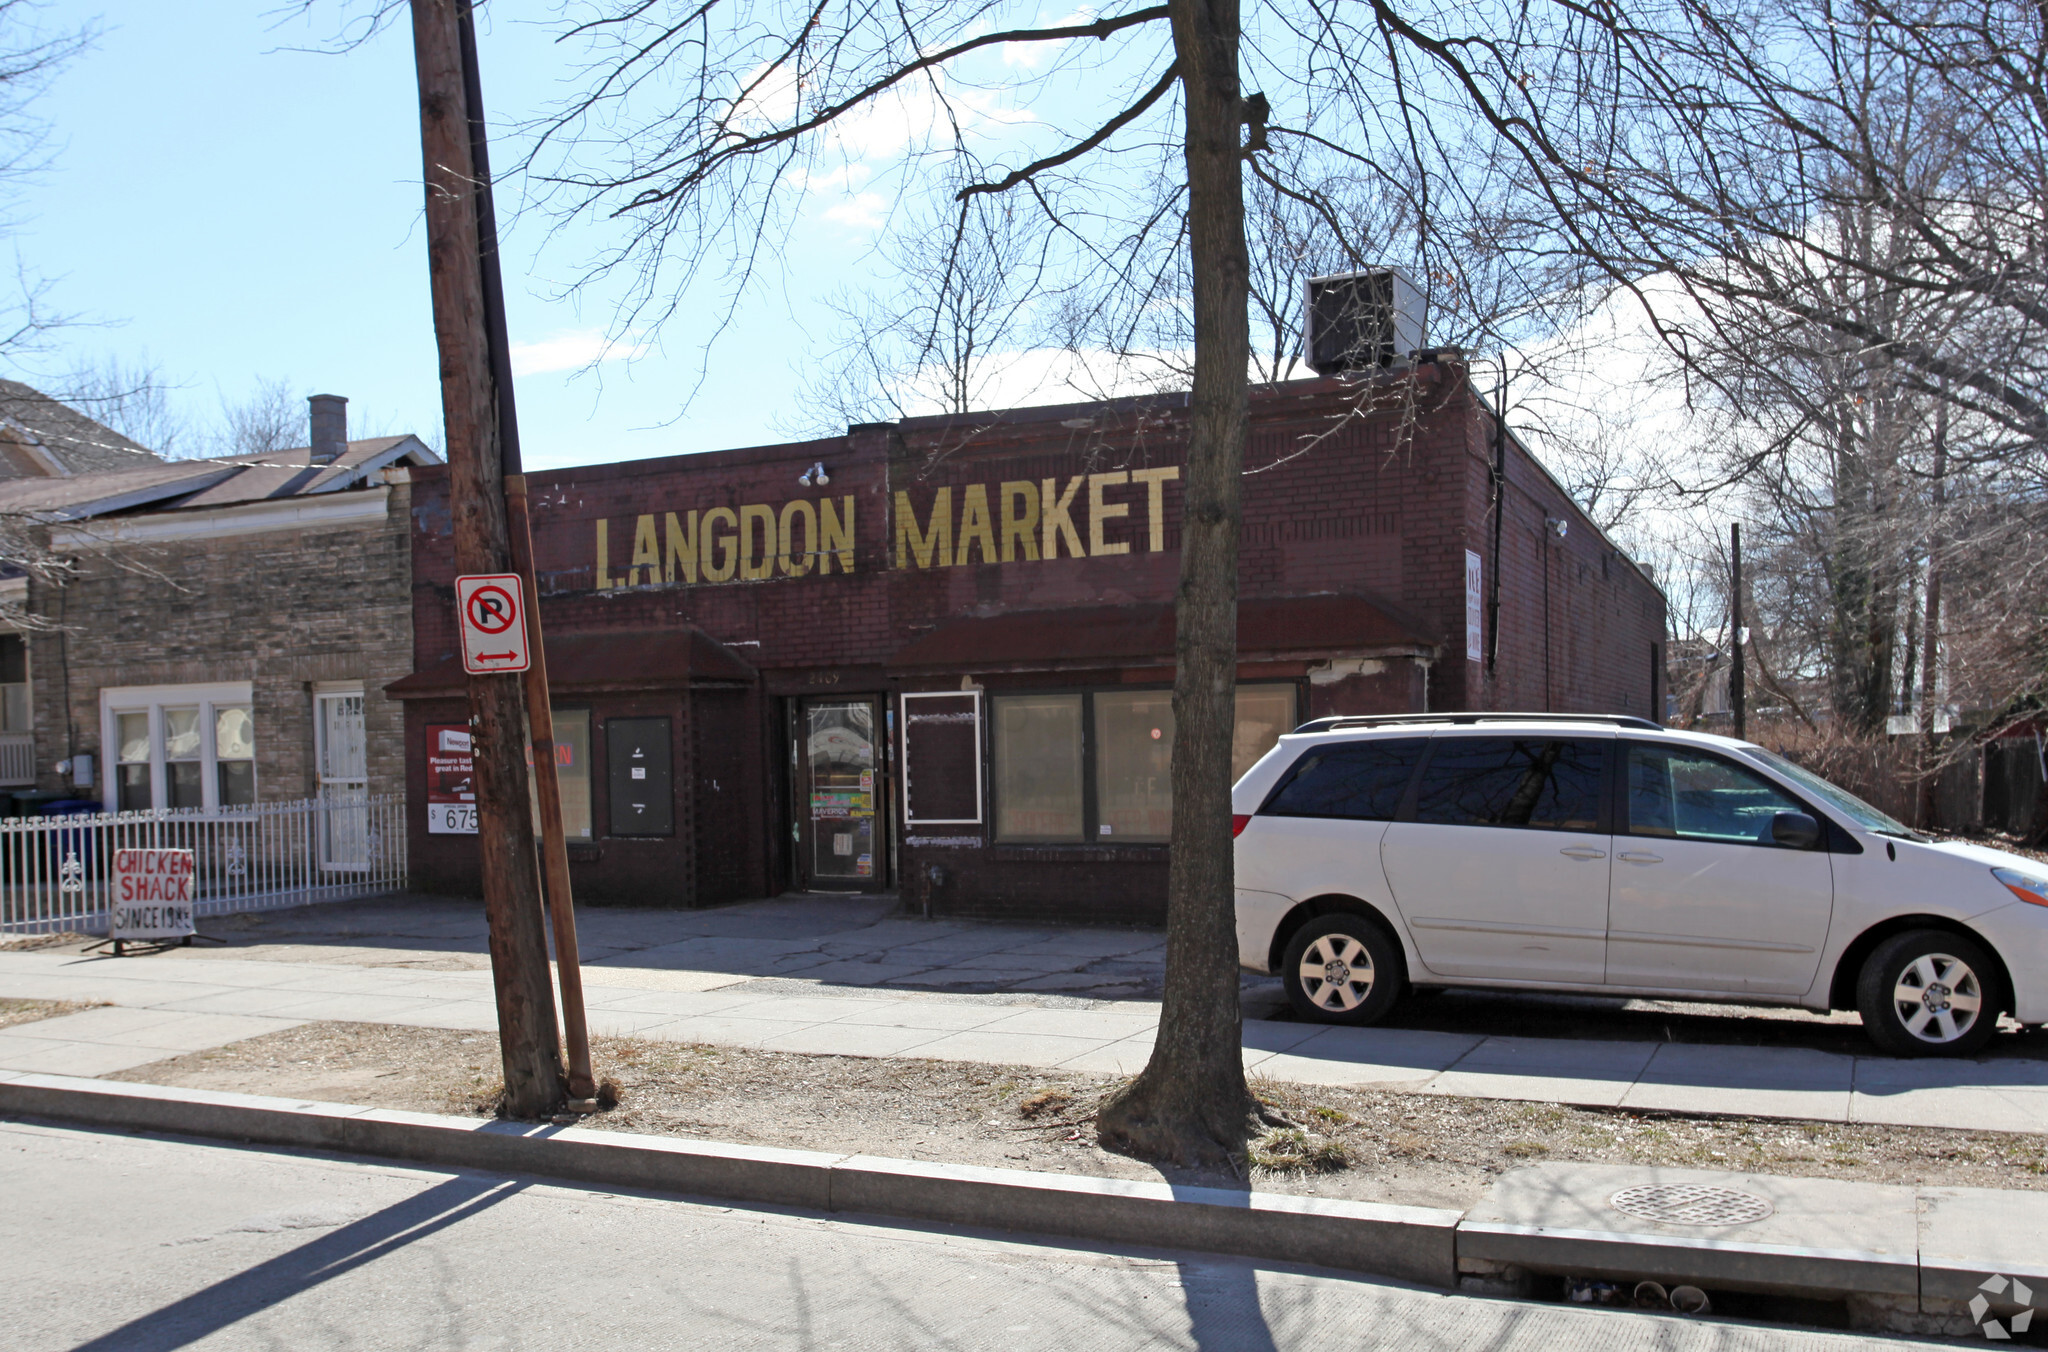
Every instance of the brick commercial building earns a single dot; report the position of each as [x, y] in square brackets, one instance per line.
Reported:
[938, 655]
[227, 627]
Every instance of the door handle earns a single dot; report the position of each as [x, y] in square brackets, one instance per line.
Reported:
[1639, 857]
[1582, 852]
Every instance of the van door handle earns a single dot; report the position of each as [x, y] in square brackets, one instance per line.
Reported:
[1582, 852]
[1639, 857]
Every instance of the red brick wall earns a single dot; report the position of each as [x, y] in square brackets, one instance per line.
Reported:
[1335, 500]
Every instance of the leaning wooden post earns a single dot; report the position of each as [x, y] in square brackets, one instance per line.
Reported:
[539, 705]
[527, 1038]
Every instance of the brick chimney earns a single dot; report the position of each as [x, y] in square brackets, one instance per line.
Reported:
[330, 427]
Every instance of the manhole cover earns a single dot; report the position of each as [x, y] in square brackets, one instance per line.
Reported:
[1690, 1204]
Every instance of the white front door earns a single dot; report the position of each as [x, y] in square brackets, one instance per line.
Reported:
[341, 754]
[1501, 869]
[1703, 899]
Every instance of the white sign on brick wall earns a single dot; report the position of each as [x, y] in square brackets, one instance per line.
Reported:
[1475, 641]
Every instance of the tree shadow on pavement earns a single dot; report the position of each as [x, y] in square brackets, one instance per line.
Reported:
[227, 1302]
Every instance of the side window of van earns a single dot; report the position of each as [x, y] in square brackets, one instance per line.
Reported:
[1363, 781]
[1695, 795]
[1549, 783]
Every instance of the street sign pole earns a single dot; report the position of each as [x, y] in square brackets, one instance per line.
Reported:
[528, 1041]
[519, 532]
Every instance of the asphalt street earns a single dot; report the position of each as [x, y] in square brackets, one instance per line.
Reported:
[144, 1244]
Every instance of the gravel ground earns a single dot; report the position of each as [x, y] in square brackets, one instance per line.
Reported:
[28, 1011]
[1365, 1145]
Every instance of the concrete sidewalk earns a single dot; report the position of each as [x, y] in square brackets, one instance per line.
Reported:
[162, 1007]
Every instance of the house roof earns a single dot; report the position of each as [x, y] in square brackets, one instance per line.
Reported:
[43, 438]
[170, 485]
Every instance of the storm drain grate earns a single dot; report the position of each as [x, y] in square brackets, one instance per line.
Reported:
[1690, 1204]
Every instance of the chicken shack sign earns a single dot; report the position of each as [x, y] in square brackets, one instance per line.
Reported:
[152, 894]
[1018, 521]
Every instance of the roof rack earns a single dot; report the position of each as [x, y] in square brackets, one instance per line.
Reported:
[1383, 720]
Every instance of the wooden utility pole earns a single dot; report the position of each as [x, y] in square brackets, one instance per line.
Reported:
[527, 1038]
[1737, 694]
[519, 530]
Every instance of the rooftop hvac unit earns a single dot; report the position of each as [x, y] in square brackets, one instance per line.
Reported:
[1359, 321]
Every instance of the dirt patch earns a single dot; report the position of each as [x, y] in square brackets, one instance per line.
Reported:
[13, 1012]
[1360, 1144]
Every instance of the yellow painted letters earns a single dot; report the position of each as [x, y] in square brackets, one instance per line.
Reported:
[1056, 517]
[752, 516]
[646, 554]
[1100, 513]
[1020, 524]
[974, 524]
[1155, 481]
[681, 564]
[604, 555]
[835, 534]
[937, 536]
[725, 546]
[795, 560]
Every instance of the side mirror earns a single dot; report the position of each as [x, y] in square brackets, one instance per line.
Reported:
[1795, 830]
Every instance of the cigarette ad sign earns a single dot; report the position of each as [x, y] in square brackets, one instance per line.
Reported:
[152, 894]
[451, 781]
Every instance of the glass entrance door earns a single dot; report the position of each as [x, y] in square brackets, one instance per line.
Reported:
[843, 842]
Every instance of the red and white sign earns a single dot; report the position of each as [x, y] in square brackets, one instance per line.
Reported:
[152, 894]
[492, 612]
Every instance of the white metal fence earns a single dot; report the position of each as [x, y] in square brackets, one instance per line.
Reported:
[54, 870]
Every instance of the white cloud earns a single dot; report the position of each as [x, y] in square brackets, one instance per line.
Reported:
[865, 211]
[572, 350]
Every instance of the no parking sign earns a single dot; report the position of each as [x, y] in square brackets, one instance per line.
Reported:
[492, 612]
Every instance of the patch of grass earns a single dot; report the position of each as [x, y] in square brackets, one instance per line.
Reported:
[1330, 1115]
[1524, 1150]
[1294, 1150]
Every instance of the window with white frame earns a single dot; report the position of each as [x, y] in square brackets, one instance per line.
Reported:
[179, 746]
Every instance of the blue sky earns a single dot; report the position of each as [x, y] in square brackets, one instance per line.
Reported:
[233, 210]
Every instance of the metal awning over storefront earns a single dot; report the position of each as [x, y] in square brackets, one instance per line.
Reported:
[645, 660]
[1268, 629]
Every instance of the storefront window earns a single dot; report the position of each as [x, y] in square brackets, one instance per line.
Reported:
[182, 770]
[1126, 794]
[1265, 713]
[1134, 765]
[1038, 767]
[572, 770]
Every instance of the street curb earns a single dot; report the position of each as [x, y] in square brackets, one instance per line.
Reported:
[1417, 1244]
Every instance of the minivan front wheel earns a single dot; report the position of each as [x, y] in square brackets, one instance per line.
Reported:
[1342, 969]
[1929, 993]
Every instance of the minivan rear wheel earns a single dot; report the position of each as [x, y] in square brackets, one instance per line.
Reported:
[1930, 993]
[1342, 969]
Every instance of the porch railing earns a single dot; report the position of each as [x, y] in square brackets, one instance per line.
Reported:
[54, 871]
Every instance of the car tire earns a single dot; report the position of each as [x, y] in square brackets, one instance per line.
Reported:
[1930, 993]
[1354, 973]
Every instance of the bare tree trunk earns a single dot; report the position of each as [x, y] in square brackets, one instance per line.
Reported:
[527, 1037]
[1191, 1103]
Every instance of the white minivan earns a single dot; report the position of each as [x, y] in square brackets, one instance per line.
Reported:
[1611, 855]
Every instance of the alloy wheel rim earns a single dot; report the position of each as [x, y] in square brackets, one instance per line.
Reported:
[1336, 973]
[1937, 998]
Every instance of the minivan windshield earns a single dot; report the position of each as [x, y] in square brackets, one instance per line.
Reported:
[1843, 801]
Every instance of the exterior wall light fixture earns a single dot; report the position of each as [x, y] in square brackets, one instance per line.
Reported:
[814, 475]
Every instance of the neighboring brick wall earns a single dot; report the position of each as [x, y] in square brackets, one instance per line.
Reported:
[282, 610]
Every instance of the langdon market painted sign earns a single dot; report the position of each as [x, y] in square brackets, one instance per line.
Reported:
[1011, 521]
